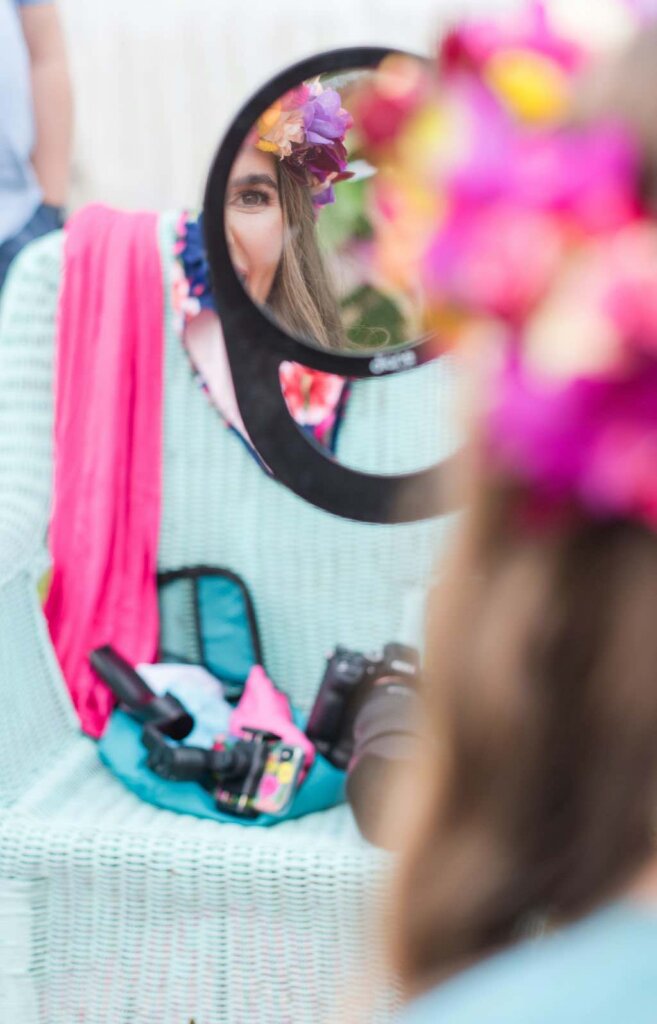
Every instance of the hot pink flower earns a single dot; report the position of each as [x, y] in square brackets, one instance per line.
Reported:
[311, 395]
[495, 260]
[470, 46]
[630, 285]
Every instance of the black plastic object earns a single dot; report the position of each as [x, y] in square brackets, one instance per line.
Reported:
[346, 687]
[196, 764]
[166, 712]
[256, 346]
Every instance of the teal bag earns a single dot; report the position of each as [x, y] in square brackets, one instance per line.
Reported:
[207, 618]
[123, 752]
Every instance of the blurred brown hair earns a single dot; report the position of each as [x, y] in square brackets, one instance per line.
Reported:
[538, 790]
[537, 794]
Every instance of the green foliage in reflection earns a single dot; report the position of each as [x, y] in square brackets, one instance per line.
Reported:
[372, 318]
[375, 319]
[345, 220]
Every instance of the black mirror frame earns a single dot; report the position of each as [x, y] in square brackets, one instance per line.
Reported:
[256, 346]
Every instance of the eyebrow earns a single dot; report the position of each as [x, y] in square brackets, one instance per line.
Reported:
[254, 179]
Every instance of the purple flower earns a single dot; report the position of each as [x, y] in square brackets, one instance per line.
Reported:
[322, 161]
[324, 118]
[325, 196]
[322, 165]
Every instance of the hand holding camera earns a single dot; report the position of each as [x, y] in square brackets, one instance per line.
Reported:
[363, 721]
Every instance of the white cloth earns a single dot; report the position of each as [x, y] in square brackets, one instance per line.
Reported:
[199, 692]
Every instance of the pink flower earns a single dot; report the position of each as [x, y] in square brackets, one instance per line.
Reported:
[472, 45]
[621, 477]
[386, 102]
[630, 285]
[311, 395]
[496, 260]
[294, 99]
[587, 442]
[179, 292]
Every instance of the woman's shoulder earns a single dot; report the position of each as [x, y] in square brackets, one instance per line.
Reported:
[600, 969]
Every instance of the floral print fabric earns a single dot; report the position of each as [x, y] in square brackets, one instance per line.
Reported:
[315, 399]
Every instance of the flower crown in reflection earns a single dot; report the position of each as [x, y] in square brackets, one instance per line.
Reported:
[524, 226]
[306, 128]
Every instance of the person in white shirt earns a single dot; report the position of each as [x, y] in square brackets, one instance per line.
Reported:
[36, 124]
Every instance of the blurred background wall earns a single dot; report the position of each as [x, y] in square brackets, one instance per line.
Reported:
[157, 81]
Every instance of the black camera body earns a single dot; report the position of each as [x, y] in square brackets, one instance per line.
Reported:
[347, 683]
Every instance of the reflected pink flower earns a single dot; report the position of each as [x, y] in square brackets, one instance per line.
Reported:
[311, 395]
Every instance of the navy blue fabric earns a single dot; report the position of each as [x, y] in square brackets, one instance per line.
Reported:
[46, 219]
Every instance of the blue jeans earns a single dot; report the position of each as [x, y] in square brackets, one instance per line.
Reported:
[45, 219]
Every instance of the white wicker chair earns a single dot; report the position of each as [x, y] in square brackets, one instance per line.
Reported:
[114, 912]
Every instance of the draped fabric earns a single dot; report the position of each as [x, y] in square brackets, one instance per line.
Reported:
[108, 462]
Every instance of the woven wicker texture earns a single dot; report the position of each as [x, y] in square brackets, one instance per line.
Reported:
[112, 912]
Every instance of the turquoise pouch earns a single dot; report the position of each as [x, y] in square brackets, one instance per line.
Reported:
[207, 618]
[122, 751]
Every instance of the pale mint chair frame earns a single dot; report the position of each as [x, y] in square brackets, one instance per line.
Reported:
[112, 911]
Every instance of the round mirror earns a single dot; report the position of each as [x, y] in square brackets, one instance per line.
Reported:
[301, 200]
[308, 312]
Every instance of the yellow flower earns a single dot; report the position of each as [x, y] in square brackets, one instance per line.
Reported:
[267, 147]
[531, 85]
[269, 118]
[278, 129]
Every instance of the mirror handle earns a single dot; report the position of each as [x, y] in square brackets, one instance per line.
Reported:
[300, 463]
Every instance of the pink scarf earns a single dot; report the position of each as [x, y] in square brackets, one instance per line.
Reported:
[108, 437]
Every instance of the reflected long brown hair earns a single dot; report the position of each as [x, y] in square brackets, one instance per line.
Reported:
[537, 791]
[302, 297]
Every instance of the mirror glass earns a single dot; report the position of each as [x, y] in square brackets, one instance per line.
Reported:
[301, 205]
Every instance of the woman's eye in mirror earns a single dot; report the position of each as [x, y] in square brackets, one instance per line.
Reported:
[254, 222]
[302, 198]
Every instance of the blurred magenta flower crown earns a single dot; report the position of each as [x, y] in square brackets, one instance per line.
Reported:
[521, 223]
[306, 128]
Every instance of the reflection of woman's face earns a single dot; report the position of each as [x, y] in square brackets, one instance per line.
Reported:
[254, 221]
